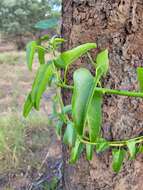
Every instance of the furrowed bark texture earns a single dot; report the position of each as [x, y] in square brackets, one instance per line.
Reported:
[118, 26]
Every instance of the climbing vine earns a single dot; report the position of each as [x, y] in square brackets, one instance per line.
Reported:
[83, 117]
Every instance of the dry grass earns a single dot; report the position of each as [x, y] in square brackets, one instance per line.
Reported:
[12, 58]
[23, 142]
[19, 136]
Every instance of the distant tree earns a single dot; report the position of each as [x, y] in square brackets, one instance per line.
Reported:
[17, 18]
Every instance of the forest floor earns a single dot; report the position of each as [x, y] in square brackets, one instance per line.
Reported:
[30, 153]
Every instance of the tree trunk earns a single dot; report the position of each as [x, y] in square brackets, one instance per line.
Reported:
[118, 26]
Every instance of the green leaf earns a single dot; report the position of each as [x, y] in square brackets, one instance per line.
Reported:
[118, 157]
[27, 105]
[42, 79]
[47, 24]
[76, 151]
[93, 112]
[67, 109]
[59, 127]
[89, 151]
[83, 110]
[102, 145]
[30, 51]
[68, 57]
[102, 63]
[44, 38]
[140, 78]
[94, 116]
[41, 55]
[55, 42]
[140, 149]
[70, 135]
[131, 144]
[83, 82]
[59, 40]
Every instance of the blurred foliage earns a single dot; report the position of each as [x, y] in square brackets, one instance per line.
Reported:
[17, 18]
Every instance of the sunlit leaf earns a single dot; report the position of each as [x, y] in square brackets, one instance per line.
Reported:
[70, 135]
[68, 57]
[27, 106]
[42, 80]
[30, 51]
[118, 157]
[83, 110]
[102, 63]
[140, 77]
[83, 82]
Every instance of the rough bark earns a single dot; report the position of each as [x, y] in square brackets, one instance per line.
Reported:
[118, 26]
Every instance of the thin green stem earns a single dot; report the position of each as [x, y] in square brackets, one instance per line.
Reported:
[60, 100]
[90, 58]
[110, 91]
[62, 85]
[65, 74]
[113, 143]
[116, 92]
[119, 92]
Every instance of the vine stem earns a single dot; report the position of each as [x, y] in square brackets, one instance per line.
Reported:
[59, 94]
[116, 92]
[110, 91]
[113, 143]
[90, 58]
[66, 119]
[103, 91]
